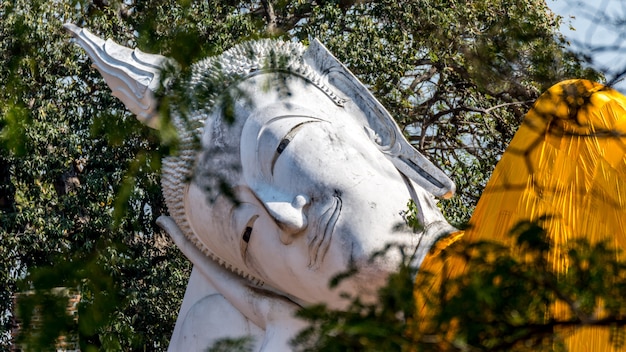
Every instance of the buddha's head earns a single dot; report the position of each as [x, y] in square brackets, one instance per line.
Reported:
[290, 173]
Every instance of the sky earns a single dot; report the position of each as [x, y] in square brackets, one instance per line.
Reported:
[596, 28]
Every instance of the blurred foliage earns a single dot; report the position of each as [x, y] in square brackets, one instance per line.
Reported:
[600, 27]
[80, 176]
[501, 302]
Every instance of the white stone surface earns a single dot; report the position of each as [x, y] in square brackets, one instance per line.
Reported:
[322, 175]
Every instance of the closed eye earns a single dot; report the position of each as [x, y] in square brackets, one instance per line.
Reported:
[285, 142]
[245, 236]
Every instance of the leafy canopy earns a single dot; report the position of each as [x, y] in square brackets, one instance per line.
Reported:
[80, 185]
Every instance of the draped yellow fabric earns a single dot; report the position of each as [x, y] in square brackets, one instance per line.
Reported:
[568, 161]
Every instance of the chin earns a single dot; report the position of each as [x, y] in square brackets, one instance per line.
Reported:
[364, 284]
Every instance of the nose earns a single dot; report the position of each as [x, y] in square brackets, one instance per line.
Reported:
[290, 216]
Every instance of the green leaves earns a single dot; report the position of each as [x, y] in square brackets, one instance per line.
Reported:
[73, 298]
[13, 129]
[66, 146]
[508, 299]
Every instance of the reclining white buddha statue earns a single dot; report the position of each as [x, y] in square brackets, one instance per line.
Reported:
[317, 174]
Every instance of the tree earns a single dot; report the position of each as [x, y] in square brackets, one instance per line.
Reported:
[80, 176]
[81, 191]
[595, 29]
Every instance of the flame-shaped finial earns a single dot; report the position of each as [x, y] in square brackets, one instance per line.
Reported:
[132, 75]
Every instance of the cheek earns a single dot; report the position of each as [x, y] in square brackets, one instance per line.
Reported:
[265, 254]
[279, 264]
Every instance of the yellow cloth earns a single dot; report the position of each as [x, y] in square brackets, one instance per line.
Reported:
[568, 160]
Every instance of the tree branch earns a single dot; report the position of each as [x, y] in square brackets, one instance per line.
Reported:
[270, 16]
[423, 77]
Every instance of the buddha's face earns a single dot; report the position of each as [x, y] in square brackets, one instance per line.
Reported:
[316, 196]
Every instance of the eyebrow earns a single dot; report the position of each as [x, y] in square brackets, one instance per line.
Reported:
[286, 140]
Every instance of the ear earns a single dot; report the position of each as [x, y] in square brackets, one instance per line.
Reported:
[132, 75]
